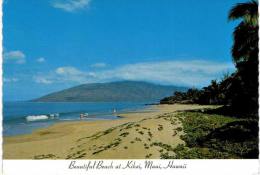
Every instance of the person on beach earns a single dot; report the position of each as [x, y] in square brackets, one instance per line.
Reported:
[81, 116]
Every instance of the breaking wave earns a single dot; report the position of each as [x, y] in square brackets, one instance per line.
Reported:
[32, 118]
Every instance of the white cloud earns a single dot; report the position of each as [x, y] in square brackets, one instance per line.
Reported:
[10, 80]
[98, 65]
[186, 73]
[15, 56]
[40, 60]
[43, 80]
[68, 71]
[65, 74]
[190, 73]
[72, 74]
[70, 5]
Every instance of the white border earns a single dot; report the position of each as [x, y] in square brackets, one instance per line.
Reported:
[201, 167]
[1, 83]
[61, 167]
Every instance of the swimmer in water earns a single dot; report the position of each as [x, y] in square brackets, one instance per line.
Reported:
[114, 111]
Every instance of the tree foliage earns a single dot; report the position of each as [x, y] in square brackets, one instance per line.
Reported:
[239, 91]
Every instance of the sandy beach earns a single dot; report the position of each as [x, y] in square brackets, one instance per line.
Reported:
[134, 136]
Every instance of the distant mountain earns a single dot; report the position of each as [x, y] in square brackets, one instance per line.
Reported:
[111, 92]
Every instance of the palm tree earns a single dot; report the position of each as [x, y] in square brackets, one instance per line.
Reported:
[243, 91]
[245, 35]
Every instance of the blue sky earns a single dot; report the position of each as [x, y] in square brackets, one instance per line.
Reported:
[50, 45]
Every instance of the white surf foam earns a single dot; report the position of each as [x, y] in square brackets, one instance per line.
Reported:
[31, 118]
[54, 116]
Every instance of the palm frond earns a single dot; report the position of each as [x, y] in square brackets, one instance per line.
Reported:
[245, 35]
[246, 41]
[247, 11]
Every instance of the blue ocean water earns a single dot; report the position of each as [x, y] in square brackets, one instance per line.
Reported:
[15, 113]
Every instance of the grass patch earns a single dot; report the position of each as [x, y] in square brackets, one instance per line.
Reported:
[160, 127]
[138, 139]
[163, 146]
[130, 125]
[174, 134]
[98, 134]
[150, 134]
[148, 156]
[124, 134]
[141, 132]
[45, 156]
[216, 136]
[179, 129]
[45, 133]
[113, 144]
[146, 146]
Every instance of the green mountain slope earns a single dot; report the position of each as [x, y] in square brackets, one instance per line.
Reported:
[114, 91]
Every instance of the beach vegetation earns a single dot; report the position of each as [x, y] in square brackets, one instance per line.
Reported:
[113, 144]
[150, 134]
[163, 146]
[179, 129]
[141, 132]
[160, 127]
[237, 92]
[174, 134]
[137, 125]
[146, 146]
[124, 134]
[215, 136]
[148, 156]
[230, 130]
[138, 139]
[45, 156]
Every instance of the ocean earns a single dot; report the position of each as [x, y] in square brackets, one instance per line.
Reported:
[24, 117]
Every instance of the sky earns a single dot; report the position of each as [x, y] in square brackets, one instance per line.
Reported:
[50, 45]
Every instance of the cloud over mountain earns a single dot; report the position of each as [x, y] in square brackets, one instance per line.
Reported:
[180, 72]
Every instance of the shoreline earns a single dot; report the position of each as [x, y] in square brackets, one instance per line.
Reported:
[59, 140]
[123, 115]
[143, 109]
